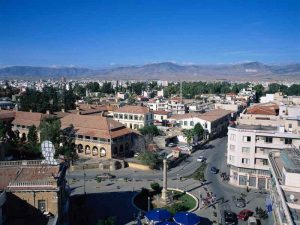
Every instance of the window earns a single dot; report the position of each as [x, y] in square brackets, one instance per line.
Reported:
[185, 123]
[125, 116]
[181, 122]
[95, 139]
[135, 126]
[80, 136]
[269, 139]
[136, 117]
[232, 137]
[288, 141]
[290, 125]
[232, 147]
[252, 181]
[42, 205]
[231, 158]
[246, 161]
[130, 117]
[87, 137]
[191, 123]
[121, 116]
[245, 150]
[116, 115]
[247, 138]
[242, 180]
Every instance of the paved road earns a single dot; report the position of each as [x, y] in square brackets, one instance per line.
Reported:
[215, 157]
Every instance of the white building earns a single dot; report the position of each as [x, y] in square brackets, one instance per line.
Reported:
[213, 122]
[134, 117]
[285, 186]
[261, 129]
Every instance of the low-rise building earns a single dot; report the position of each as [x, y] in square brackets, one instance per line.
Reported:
[34, 191]
[213, 122]
[134, 117]
[99, 137]
[285, 186]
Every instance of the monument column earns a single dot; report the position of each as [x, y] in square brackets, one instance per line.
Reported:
[164, 192]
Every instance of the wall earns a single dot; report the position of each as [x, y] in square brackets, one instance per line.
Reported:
[138, 166]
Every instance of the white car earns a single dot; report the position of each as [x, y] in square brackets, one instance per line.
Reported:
[136, 154]
[201, 159]
[171, 145]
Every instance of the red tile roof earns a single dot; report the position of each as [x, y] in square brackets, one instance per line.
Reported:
[132, 109]
[264, 109]
[29, 118]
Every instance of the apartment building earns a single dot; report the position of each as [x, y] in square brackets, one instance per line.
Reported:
[213, 122]
[99, 137]
[176, 106]
[259, 130]
[285, 186]
[134, 117]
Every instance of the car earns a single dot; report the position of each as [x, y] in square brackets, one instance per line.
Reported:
[201, 159]
[163, 154]
[240, 202]
[136, 154]
[252, 221]
[171, 145]
[230, 218]
[244, 214]
[214, 170]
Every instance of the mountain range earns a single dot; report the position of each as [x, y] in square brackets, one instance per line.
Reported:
[162, 71]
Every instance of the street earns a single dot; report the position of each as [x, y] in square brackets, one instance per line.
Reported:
[112, 197]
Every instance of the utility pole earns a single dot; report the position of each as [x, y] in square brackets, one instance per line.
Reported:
[181, 91]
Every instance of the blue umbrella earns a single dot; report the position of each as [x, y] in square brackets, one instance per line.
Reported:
[166, 223]
[158, 215]
[186, 218]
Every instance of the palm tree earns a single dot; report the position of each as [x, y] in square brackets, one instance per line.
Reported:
[188, 134]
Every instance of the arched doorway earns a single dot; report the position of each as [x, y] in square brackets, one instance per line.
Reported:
[80, 148]
[87, 149]
[102, 152]
[95, 151]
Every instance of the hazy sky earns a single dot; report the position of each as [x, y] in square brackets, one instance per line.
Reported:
[97, 33]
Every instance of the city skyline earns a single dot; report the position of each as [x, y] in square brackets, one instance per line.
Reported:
[111, 33]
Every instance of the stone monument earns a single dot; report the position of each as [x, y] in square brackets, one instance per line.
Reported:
[166, 197]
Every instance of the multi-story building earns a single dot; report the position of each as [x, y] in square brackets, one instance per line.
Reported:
[34, 191]
[176, 106]
[161, 117]
[259, 130]
[285, 186]
[99, 137]
[134, 117]
[213, 122]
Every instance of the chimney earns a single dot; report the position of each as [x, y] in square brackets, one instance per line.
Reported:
[77, 108]
[30, 110]
[63, 110]
[48, 112]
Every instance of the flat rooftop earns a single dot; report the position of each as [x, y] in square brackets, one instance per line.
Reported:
[256, 127]
[291, 160]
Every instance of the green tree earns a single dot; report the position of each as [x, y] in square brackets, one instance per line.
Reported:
[149, 129]
[32, 136]
[2, 130]
[155, 186]
[188, 134]
[50, 130]
[198, 130]
[111, 220]
[151, 159]
[93, 87]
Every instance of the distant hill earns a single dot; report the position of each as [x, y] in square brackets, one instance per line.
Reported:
[164, 71]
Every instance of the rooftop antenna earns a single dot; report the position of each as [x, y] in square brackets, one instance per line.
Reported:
[48, 151]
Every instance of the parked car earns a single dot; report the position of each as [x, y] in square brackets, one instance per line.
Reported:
[136, 154]
[252, 221]
[244, 214]
[163, 154]
[214, 170]
[171, 144]
[240, 202]
[201, 159]
[230, 218]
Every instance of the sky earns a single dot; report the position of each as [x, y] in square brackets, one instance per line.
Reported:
[108, 33]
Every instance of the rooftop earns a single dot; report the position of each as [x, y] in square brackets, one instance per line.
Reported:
[132, 109]
[209, 116]
[256, 127]
[291, 160]
[269, 108]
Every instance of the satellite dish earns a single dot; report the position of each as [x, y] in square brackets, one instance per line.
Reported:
[48, 151]
[292, 197]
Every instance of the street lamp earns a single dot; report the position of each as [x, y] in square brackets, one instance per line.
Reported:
[177, 180]
[84, 174]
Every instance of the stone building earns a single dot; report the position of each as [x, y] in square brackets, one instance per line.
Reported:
[99, 137]
[35, 192]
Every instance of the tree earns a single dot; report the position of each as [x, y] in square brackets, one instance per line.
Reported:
[188, 134]
[50, 130]
[149, 129]
[198, 130]
[155, 186]
[2, 130]
[111, 220]
[151, 159]
[32, 135]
